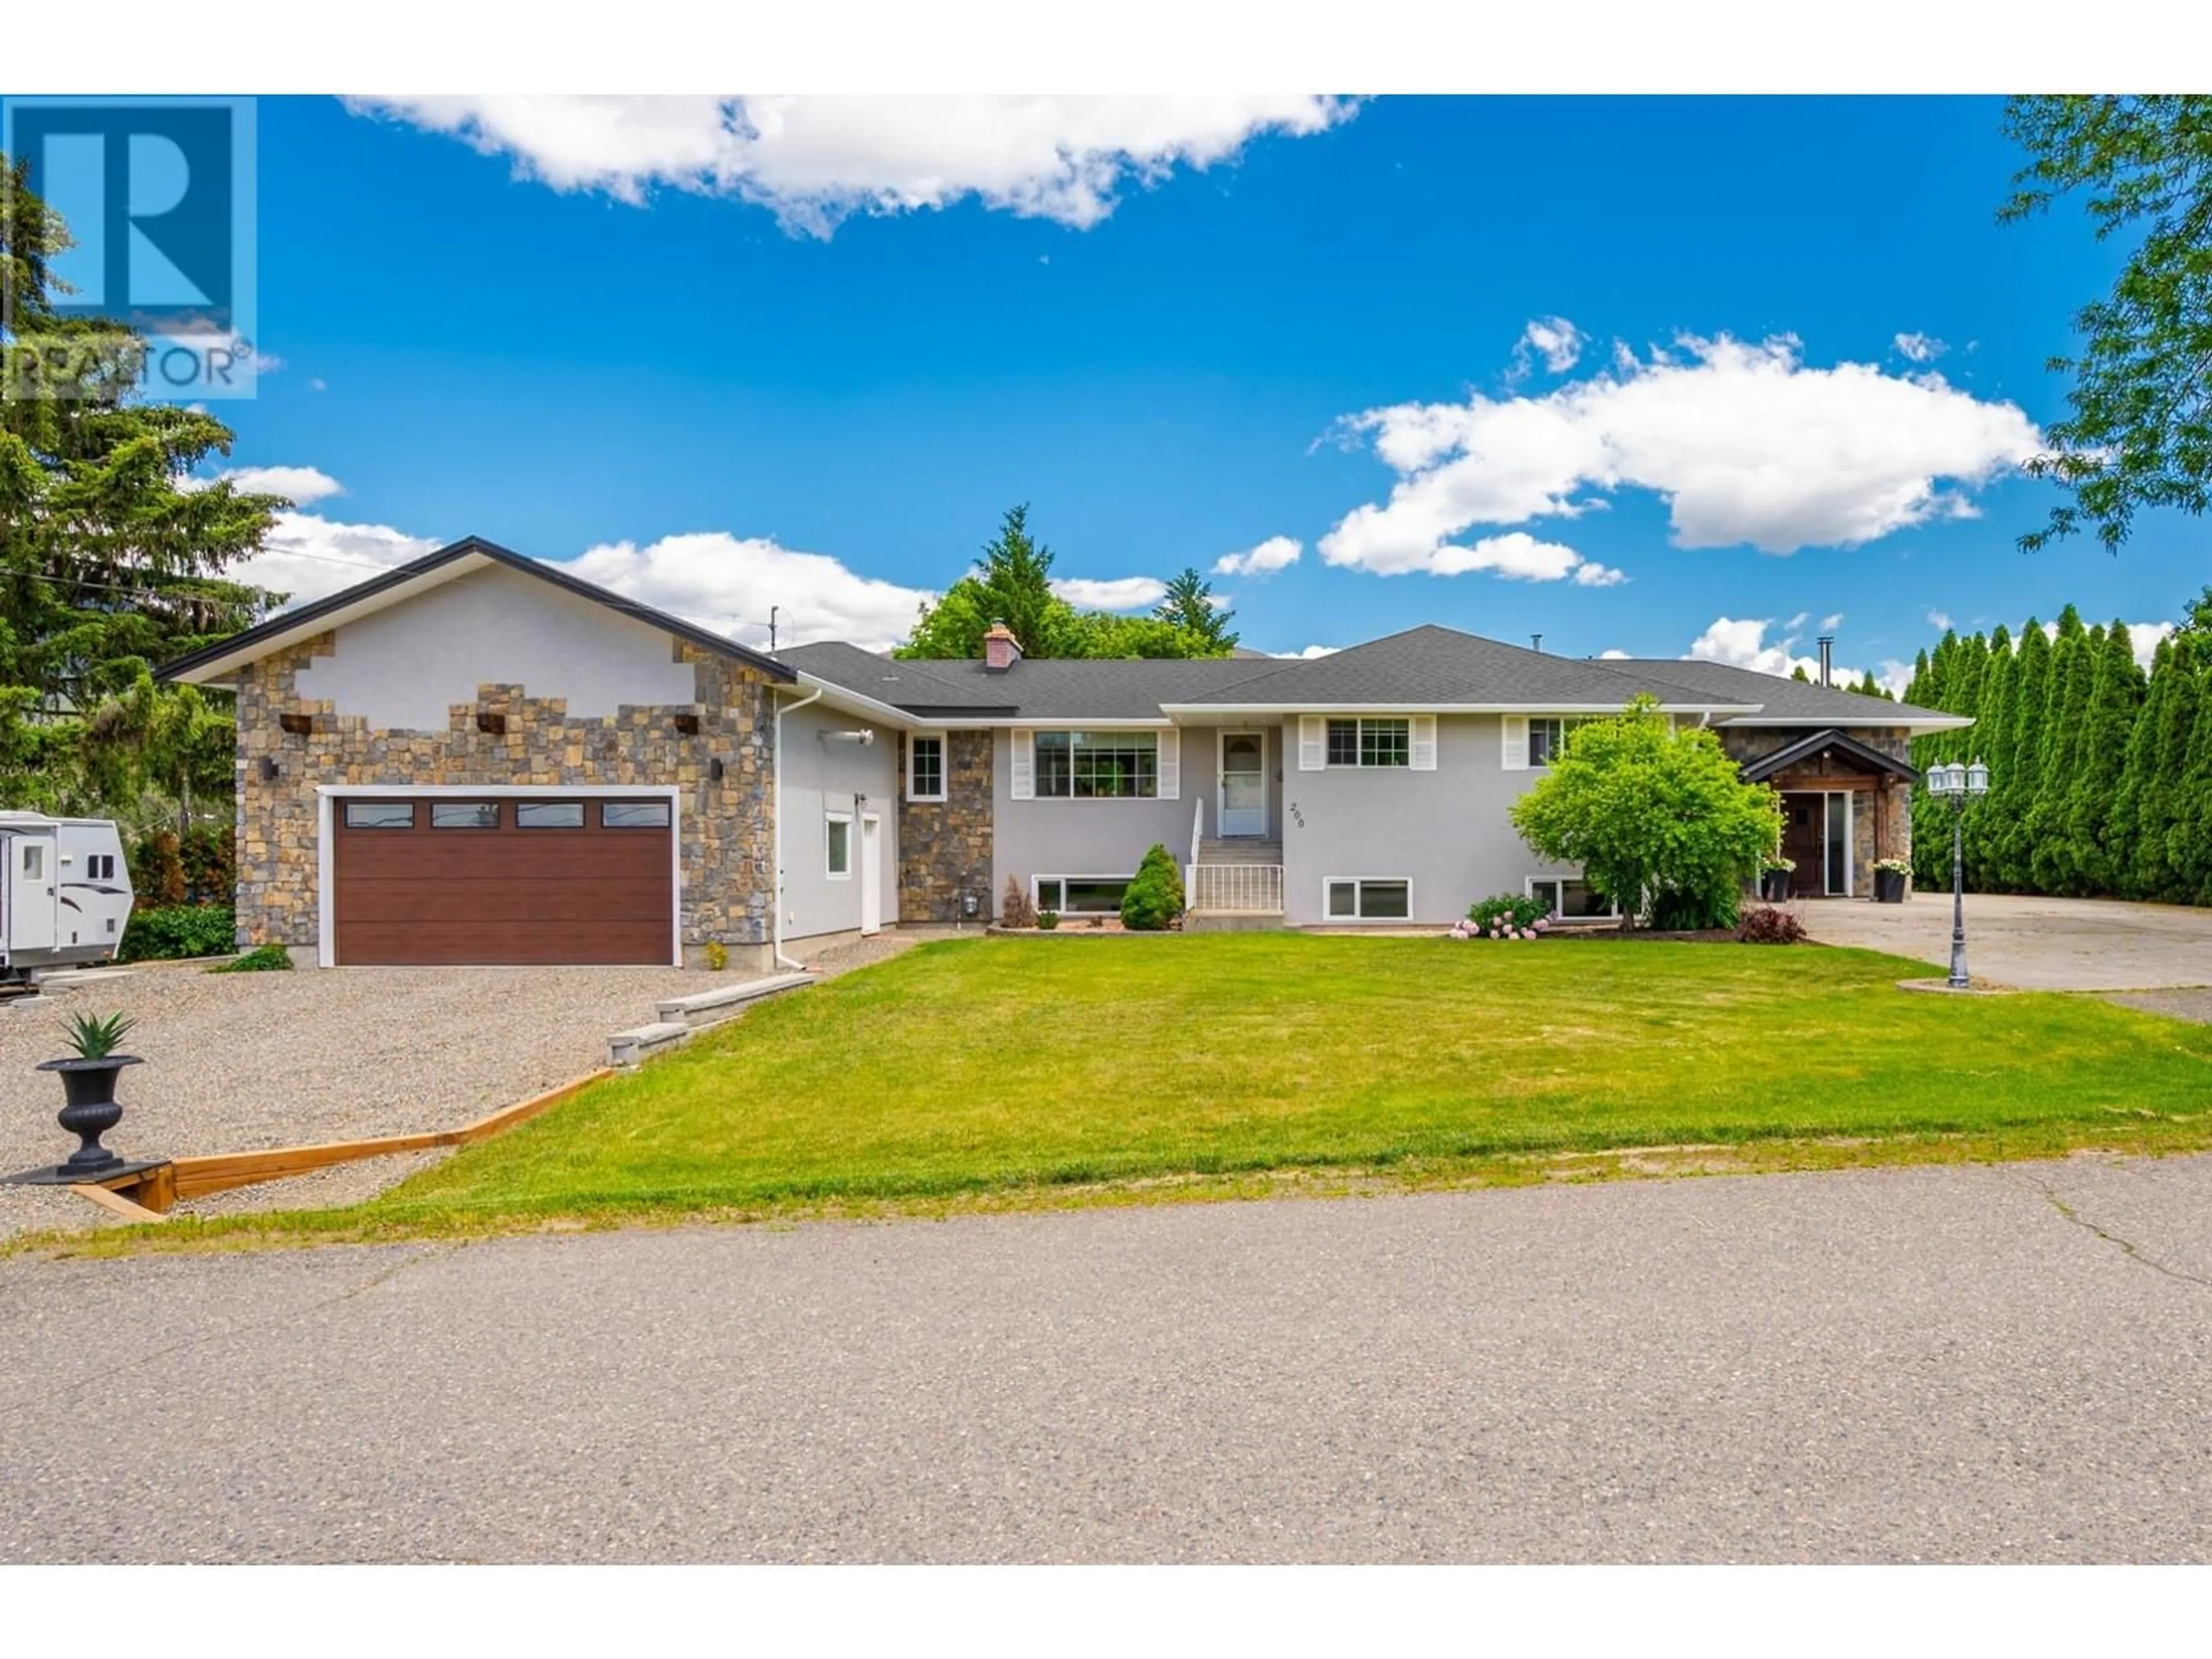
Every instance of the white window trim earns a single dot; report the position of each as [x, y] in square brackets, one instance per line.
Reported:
[830, 873]
[1167, 766]
[327, 851]
[944, 765]
[1528, 890]
[1035, 881]
[1326, 882]
[1413, 723]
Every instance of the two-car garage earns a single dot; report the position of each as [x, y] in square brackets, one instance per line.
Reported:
[495, 877]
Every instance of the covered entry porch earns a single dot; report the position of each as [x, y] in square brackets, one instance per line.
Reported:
[1845, 805]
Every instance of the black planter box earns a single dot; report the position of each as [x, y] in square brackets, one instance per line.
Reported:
[1889, 886]
[1774, 886]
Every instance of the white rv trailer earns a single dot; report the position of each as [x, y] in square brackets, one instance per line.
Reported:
[64, 893]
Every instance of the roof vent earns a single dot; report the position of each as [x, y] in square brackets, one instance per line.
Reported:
[1001, 651]
[1827, 643]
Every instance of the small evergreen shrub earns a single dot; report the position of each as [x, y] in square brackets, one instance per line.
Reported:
[1048, 920]
[1690, 910]
[262, 959]
[168, 932]
[1505, 915]
[1155, 896]
[1015, 909]
[1769, 924]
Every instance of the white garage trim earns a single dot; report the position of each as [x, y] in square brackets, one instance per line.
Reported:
[326, 852]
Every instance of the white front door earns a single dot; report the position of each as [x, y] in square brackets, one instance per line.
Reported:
[1243, 807]
[30, 894]
[872, 876]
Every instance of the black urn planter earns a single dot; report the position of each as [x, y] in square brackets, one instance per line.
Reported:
[1774, 886]
[92, 1110]
[1889, 886]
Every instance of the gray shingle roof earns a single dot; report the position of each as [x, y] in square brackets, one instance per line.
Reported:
[1434, 664]
[1426, 664]
[1782, 699]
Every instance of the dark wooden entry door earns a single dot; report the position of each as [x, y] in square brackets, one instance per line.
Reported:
[1804, 840]
[537, 880]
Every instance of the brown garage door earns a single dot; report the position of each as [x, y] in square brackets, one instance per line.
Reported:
[538, 880]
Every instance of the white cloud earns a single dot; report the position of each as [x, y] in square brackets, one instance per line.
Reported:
[1516, 556]
[1830, 622]
[1922, 348]
[1744, 442]
[319, 385]
[816, 160]
[307, 556]
[1309, 653]
[1893, 677]
[1799, 620]
[1939, 619]
[1276, 553]
[2143, 638]
[1613, 654]
[1112, 593]
[1590, 573]
[300, 485]
[727, 583]
[1742, 642]
[1554, 339]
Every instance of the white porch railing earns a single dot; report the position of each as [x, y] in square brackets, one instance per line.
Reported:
[1237, 889]
[1197, 839]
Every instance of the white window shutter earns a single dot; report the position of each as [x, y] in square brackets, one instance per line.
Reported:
[1424, 745]
[1170, 774]
[1517, 742]
[1313, 743]
[1022, 786]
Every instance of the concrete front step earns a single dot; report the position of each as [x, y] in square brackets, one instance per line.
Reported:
[1231, 922]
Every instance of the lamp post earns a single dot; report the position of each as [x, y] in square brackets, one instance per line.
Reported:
[1959, 785]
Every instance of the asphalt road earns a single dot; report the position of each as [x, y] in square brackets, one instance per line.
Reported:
[1888, 1365]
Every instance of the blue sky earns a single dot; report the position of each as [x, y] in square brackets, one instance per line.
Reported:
[621, 334]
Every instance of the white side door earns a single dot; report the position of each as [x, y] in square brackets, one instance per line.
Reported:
[30, 891]
[872, 874]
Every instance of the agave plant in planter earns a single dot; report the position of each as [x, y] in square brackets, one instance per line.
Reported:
[89, 1082]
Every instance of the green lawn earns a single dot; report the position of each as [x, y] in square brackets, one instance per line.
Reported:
[993, 1067]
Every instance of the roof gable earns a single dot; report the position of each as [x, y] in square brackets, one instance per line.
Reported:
[215, 663]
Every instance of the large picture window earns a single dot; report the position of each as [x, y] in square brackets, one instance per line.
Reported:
[1371, 743]
[925, 766]
[1098, 765]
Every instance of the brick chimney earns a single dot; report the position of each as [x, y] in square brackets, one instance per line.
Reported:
[1001, 651]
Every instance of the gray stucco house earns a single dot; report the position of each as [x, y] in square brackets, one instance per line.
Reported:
[477, 757]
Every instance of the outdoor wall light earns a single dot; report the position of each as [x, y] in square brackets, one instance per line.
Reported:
[715, 769]
[268, 768]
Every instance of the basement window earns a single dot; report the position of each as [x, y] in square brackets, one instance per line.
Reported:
[1368, 899]
[1082, 895]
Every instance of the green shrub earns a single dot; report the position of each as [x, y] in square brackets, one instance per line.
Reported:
[1048, 920]
[1677, 910]
[262, 959]
[1155, 896]
[165, 932]
[1506, 913]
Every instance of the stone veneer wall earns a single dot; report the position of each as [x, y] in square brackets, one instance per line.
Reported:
[945, 846]
[1896, 838]
[726, 827]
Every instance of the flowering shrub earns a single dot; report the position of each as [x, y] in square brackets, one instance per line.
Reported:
[1506, 915]
[1894, 866]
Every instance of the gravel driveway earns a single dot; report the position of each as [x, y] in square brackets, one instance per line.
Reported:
[239, 1061]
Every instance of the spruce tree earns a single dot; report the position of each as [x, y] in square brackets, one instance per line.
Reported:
[2189, 839]
[2138, 875]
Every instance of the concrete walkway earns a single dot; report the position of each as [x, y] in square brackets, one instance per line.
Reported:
[1980, 1364]
[2034, 944]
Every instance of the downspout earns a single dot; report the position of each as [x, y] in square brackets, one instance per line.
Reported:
[775, 826]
